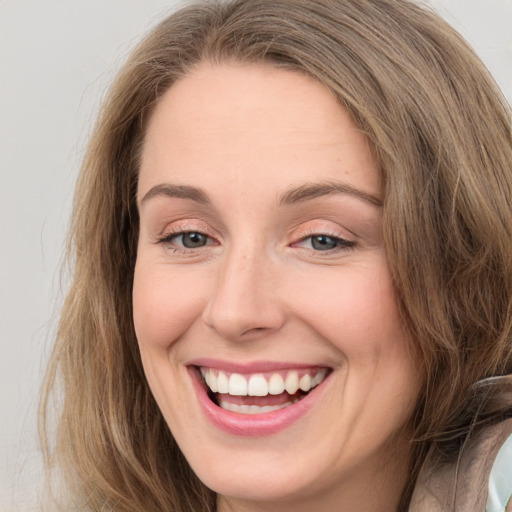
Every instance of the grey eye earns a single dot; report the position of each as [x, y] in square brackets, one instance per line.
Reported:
[193, 240]
[323, 242]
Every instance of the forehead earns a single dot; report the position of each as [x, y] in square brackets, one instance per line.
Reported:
[255, 124]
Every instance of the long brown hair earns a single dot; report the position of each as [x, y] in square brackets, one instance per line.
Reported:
[442, 134]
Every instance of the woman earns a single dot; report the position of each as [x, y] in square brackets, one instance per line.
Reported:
[292, 289]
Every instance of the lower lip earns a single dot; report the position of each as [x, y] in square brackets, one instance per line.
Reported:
[252, 425]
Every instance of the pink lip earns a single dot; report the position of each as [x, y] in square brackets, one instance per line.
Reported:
[248, 425]
[244, 368]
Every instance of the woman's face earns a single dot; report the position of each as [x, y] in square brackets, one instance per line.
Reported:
[261, 269]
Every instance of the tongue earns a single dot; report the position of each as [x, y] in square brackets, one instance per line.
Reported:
[258, 400]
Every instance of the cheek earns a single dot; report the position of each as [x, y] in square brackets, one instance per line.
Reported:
[354, 309]
[164, 306]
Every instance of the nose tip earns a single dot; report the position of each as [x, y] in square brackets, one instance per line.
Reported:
[243, 305]
[235, 329]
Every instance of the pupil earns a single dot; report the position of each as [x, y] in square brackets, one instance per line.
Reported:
[192, 240]
[323, 242]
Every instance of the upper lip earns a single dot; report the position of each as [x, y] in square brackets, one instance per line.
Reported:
[251, 367]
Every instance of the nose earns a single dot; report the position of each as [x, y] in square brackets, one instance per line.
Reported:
[244, 302]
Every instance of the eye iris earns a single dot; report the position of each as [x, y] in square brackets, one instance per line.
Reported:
[323, 242]
[193, 240]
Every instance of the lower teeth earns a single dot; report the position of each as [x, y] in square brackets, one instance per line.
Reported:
[253, 409]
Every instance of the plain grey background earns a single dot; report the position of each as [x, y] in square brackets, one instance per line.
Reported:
[57, 58]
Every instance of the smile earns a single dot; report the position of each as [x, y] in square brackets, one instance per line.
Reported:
[257, 399]
[259, 393]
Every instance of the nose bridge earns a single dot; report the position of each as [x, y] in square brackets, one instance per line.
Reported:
[241, 303]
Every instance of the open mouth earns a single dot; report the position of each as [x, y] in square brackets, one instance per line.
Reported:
[258, 393]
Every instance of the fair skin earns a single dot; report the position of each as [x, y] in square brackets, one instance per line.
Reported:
[261, 252]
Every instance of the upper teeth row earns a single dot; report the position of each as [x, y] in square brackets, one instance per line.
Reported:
[258, 384]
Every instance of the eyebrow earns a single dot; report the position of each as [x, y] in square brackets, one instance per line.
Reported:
[314, 190]
[295, 195]
[179, 191]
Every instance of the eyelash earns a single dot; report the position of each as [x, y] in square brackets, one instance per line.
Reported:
[167, 239]
[341, 244]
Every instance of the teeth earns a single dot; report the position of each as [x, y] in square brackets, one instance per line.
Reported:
[305, 382]
[253, 409]
[292, 382]
[213, 382]
[222, 383]
[237, 385]
[258, 384]
[275, 384]
[319, 377]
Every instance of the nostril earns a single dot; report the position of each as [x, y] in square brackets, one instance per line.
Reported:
[256, 329]
[255, 333]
